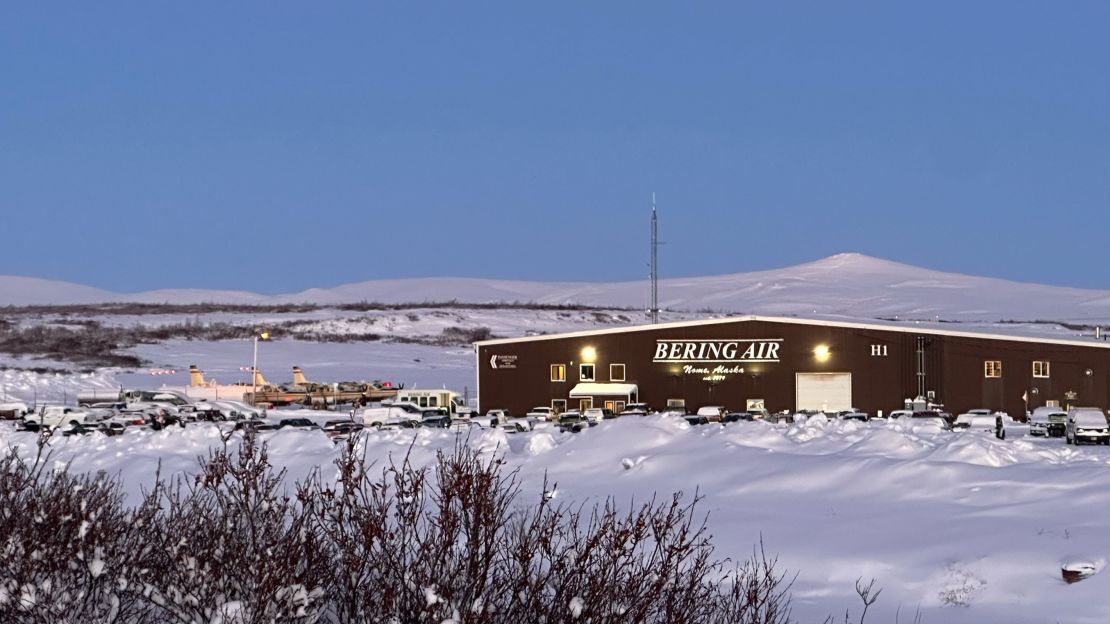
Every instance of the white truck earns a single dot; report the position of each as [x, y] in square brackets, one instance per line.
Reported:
[387, 414]
[54, 416]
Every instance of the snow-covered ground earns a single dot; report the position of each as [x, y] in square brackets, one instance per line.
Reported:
[968, 528]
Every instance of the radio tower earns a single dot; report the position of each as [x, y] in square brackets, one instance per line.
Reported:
[654, 263]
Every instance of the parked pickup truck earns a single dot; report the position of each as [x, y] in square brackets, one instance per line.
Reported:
[54, 416]
[1048, 422]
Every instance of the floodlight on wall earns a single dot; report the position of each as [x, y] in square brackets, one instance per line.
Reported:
[821, 352]
[589, 354]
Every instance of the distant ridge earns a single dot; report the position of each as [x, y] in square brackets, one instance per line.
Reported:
[848, 284]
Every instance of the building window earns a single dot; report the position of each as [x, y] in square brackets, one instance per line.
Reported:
[616, 372]
[558, 405]
[679, 403]
[1040, 369]
[992, 369]
[586, 372]
[558, 372]
[585, 404]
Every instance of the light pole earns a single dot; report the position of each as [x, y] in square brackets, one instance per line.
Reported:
[265, 335]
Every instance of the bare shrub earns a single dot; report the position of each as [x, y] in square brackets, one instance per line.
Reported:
[453, 541]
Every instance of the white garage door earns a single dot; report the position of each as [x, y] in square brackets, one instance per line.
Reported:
[824, 391]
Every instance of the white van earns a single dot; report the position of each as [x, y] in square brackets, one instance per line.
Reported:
[378, 416]
[1087, 424]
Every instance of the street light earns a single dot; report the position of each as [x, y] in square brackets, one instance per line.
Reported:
[264, 335]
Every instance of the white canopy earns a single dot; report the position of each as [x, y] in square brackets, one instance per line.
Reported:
[603, 389]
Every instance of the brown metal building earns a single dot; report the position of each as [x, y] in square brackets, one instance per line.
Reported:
[791, 364]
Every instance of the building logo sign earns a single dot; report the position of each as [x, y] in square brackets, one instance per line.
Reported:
[728, 355]
[738, 351]
[502, 361]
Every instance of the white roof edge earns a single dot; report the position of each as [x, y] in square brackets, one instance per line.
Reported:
[906, 329]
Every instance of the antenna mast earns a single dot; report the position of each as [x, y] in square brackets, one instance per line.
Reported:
[654, 263]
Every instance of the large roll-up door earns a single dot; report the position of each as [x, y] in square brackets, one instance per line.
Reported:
[824, 391]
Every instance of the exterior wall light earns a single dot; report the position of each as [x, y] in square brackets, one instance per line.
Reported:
[589, 354]
[821, 352]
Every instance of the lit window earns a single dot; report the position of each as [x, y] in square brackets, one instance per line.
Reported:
[676, 402]
[992, 368]
[1040, 369]
[616, 372]
[585, 404]
[558, 372]
[586, 372]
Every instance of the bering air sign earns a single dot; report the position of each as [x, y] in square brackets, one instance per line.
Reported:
[696, 355]
[740, 350]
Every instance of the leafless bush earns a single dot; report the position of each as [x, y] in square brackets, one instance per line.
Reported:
[66, 540]
[454, 541]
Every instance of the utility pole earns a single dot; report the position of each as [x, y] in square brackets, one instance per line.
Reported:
[654, 311]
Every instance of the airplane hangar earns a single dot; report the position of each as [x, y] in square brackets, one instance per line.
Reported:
[788, 363]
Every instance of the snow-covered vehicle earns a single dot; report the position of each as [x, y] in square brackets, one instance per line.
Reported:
[1087, 424]
[574, 421]
[597, 414]
[1048, 422]
[712, 413]
[54, 416]
[636, 409]
[541, 413]
[13, 410]
[381, 415]
[853, 414]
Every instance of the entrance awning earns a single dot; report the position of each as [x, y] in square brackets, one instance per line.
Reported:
[603, 389]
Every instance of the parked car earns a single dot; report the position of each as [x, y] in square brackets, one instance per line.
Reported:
[598, 414]
[257, 426]
[13, 410]
[339, 430]
[900, 413]
[436, 418]
[1048, 422]
[636, 409]
[853, 414]
[930, 418]
[541, 413]
[520, 424]
[498, 416]
[1087, 424]
[696, 419]
[399, 423]
[712, 413]
[574, 421]
[736, 417]
[963, 421]
[299, 423]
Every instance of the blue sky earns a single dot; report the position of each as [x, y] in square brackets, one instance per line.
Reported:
[274, 146]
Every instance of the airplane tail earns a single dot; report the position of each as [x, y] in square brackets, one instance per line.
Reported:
[298, 377]
[259, 380]
[196, 377]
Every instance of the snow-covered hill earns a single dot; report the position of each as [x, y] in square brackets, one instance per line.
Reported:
[845, 284]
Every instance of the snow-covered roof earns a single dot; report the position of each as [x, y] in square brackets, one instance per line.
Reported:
[935, 329]
[603, 389]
